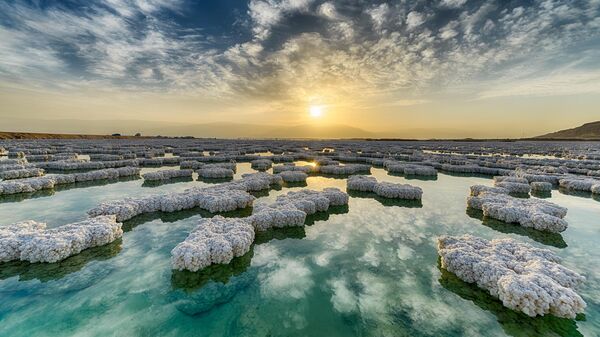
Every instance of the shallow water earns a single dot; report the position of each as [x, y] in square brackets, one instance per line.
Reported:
[370, 269]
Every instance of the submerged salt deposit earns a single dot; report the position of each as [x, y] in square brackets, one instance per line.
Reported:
[384, 189]
[524, 278]
[214, 240]
[31, 241]
[292, 208]
[167, 174]
[534, 213]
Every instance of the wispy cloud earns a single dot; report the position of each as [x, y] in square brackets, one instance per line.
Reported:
[291, 50]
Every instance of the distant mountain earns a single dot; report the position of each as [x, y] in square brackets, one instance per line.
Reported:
[205, 130]
[586, 131]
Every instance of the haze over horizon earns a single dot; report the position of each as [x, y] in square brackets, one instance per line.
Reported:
[424, 69]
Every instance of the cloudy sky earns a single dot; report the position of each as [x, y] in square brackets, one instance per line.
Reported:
[424, 68]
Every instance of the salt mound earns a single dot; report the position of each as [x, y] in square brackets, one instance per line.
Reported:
[261, 164]
[215, 172]
[523, 277]
[292, 208]
[534, 213]
[293, 176]
[215, 240]
[213, 199]
[29, 185]
[167, 174]
[31, 241]
[21, 173]
[540, 186]
[384, 189]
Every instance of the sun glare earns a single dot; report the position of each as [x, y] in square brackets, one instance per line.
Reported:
[316, 111]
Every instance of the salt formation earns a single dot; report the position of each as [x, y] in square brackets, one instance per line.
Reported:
[21, 173]
[409, 169]
[361, 183]
[252, 182]
[167, 174]
[213, 199]
[540, 186]
[215, 240]
[524, 278]
[306, 168]
[513, 184]
[29, 185]
[215, 172]
[345, 169]
[292, 208]
[293, 176]
[384, 189]
[577, 184]
[534, 213]
[32, 241]
[191, 164]
[261, 164]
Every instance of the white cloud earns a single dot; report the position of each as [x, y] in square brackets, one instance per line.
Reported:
[453, 3]
[414, 19]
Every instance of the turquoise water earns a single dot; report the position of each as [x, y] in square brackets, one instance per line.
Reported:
[369, 269]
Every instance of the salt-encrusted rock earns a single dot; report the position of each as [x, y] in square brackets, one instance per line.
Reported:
[595, 188]
[167, 174]
[215, 172]
[409, 169]
[261, 164]
[345, 169]
[293, 176]
[21, 173]
[214, 240]
[514, 187]
[258, 181]
[534, 213]
[292, 208]
[191, 164]
[524, 278]
[213, 199]
[478, 189]
[510, 179]
[577, 184]
[31, 241]
[361, 183]
[305, 168]
[398, 191]
[29, 185]
[539, 186]
[384, 189]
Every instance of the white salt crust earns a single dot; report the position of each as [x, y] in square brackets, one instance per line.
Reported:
[293, 176]
[215, 240]
[384, 189]
[21, 173]
[540, 186]
[31, 241]
[292, 208]
[524, 278]
[534, 213]
[29, 185]
[167, 174]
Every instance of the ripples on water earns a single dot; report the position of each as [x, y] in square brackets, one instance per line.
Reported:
[368, 269]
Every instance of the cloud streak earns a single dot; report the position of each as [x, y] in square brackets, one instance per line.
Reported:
[290, 52]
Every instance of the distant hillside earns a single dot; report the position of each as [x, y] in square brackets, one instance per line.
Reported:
[586, 131]
[172, 129]
[32, 135]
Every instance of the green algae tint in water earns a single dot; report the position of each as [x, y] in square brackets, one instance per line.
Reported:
[369, 269]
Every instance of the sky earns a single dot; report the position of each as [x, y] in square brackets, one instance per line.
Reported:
[444, 68]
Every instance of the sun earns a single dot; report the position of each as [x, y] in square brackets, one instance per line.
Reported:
[316, 111]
